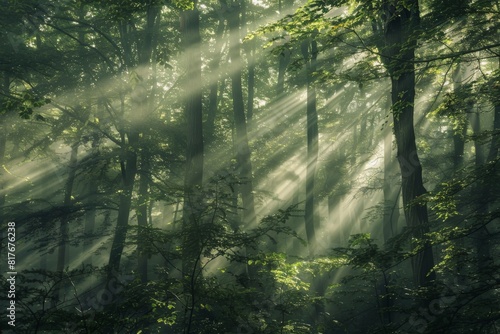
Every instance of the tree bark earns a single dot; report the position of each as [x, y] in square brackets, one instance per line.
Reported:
[250, 86]
[482, 237]
[249, 50]
[142, 216]
[310, 52]
[193, 179]
[145, 58]
[495, 140]
[458, 137]
[390, 191]
[130, 139]
[128, 167]
[64, 225]
[243, 154]
[401, 25]
[213, 96]
[283, 60]
[90, 218]
[354, 148]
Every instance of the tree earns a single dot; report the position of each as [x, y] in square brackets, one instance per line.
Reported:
[310, 53]
[193, 177]
[242, 148]
[401, 24]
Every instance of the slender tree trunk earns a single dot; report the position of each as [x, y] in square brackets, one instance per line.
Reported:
[482, 237]
[250, 86]
[243, 155]
[475, 122]
[402, 21]
[495, 141]
[493, 152]
[387, 227]
[283, 60]
[459, 148]
[354, 148]
[145, 58]
[128, 167]
[142, 216]
[213, 96]
[64, 225]
[128, 163]
[90, 218]
[458, 137]
[249, 50]
[193, 112]
[193, 180]
[310, 52]
[193, 103]
[91, 212]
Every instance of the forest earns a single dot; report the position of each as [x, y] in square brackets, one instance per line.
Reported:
[250, 166]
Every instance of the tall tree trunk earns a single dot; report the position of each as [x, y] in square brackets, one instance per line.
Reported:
[493, 152]
[64, 225]
[92, 190]
[354, 148]
[142, 215]
[475, 123]
[310, 52]
[130, 139]
[458, 136]
[249, 50]
[390, 190]
[90, 218]
[283, 60]
[482, 237]
[213, 96]
[401, 23]
[243, 155]
[145, 58]
[193, 180]
[250, 85]
[128, 166]
[495, 140]
[391, 217]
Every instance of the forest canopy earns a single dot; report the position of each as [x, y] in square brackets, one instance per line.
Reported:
[250, 166]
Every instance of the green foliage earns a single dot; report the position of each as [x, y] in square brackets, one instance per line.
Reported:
[184, 4]
[69, 67]
[25, 104]
[455, 107]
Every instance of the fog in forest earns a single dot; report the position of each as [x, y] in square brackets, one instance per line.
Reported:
[251, 166]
